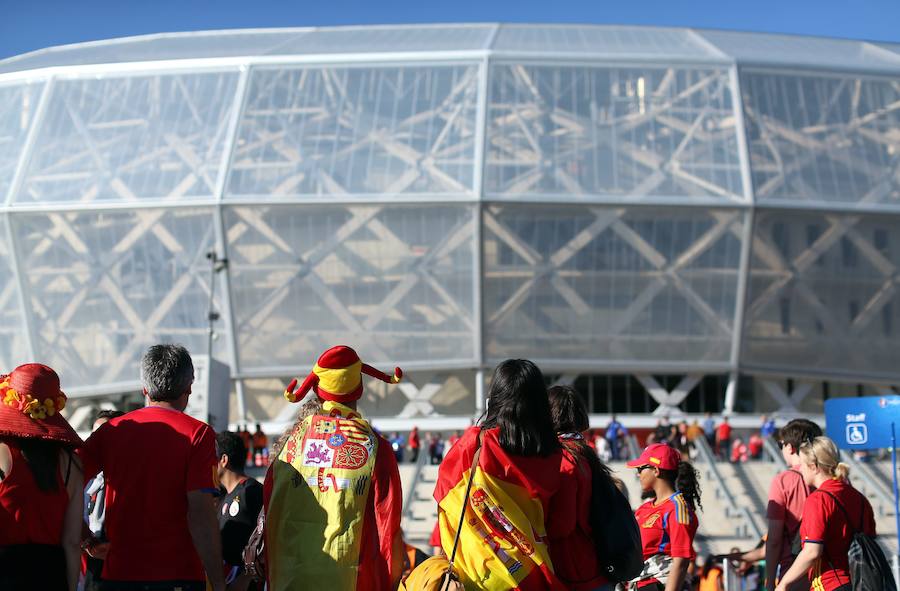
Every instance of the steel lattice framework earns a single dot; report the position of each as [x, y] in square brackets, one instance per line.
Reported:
[599, 199]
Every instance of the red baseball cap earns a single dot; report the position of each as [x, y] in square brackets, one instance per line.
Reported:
[658, 455]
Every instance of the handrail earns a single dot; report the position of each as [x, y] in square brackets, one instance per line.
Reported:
[774, 452]
[722, 488]
[859, 469]
[634, 450]
[407, 502]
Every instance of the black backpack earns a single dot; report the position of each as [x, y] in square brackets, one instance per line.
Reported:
[617, 538]
[869, 569]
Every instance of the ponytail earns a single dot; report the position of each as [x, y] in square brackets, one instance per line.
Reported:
[842, 471]
[686, 480]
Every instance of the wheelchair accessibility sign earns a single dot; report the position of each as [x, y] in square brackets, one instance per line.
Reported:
[862, 423]
[857, 434]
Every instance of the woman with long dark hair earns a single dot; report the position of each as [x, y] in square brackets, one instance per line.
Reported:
[668, 522]
[503, 543]
[41, 484]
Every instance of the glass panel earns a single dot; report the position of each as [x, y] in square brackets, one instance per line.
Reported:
[623, 132]
[104, 285]
[599, 284]
[822, 293]
[823, 139]
[318, 132]
[128, 139]
[396, 283]
[166, 46]
[367, 39]
[17, 106]
[420, 394]
[614, 41]
[760, 48]
[13, 345]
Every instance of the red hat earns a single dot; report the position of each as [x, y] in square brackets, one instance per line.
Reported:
[30, 405]
[337, 376]
[658, 455]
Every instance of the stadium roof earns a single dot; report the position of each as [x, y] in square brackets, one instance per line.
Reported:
[603, 42]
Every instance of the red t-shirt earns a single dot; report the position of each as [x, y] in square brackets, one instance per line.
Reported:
[151, 458]
[824, 523]
[668, 529]
[569, 532]
[723, 431]
[787, 495]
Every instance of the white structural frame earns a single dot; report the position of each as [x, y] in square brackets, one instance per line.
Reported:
[479, 200]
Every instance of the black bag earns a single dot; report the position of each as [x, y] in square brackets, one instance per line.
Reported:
[617, 537]
[869, 569]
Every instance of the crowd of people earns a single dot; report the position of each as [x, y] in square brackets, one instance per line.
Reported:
[155, 500]
[437, 446]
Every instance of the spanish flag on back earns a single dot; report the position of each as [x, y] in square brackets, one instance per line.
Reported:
[504, 540]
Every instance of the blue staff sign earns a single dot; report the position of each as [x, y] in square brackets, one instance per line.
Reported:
[862, 423]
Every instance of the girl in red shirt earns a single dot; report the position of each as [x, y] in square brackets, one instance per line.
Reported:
[824, 530]
[574, 555]
[668, 523]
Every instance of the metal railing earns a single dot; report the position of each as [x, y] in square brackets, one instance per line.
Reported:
[631, 444]
[750, 527]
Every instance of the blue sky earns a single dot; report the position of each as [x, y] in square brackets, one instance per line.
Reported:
[26, 25]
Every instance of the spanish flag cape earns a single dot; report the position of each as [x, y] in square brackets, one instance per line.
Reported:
[503, 544]
[333, 504]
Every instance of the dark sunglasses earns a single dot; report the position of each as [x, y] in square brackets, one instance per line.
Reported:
[642, 468]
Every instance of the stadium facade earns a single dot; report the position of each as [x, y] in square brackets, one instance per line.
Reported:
[671, 219]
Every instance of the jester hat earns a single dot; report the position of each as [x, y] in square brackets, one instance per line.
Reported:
[337, 376]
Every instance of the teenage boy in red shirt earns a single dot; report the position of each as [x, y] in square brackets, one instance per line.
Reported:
[787, 495]
[161, 474]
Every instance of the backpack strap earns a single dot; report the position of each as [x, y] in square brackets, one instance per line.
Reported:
[462, 512]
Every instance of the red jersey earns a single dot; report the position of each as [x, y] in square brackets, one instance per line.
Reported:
[29, 515]
[824, 523]
[151, 458]
[569, 530]
[668, 528]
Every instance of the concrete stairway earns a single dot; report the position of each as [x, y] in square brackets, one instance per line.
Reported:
[421, 514]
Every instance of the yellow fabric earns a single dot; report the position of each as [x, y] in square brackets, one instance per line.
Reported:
[503, 534]
[316, 510]
[341, 380]
[428, 576]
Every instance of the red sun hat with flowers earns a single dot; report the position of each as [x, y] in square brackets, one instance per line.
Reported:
[30, 405]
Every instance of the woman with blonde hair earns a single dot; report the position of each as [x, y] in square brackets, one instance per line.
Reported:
[831, 515]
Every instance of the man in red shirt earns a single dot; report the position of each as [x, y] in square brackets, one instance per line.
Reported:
[723, 439]
[160, 467]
